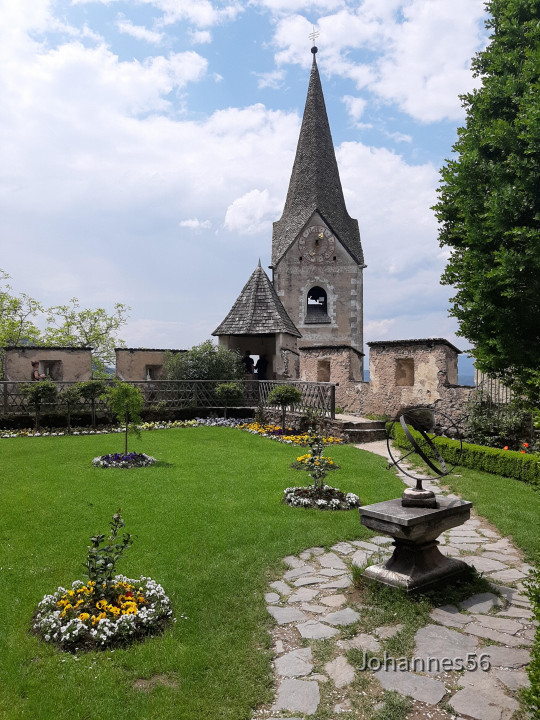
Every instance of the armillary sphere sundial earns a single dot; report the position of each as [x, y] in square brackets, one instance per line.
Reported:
[416, 519]
[423, 428]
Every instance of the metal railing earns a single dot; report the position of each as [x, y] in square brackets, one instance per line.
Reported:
[170, 395]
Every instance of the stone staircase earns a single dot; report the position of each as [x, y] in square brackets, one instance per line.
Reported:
[358, 429]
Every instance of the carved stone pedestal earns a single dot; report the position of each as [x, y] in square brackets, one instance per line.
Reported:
[417, 563]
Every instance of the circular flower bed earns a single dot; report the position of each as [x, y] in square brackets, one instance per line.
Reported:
[120, 460]
[80, 619]
[325, 498]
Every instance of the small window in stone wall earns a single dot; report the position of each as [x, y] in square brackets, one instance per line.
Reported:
[52, 369]
[405, 372]
[154, 372]
[323, 370]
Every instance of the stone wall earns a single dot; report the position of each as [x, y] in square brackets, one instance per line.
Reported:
[409, 373]
[340, 365]
[60, 364]
[137, 364]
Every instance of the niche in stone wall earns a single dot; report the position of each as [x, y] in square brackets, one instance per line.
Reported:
[323, 370]
[405, 372]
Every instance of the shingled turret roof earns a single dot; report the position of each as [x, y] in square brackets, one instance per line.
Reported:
[315, 183]
[258, 310]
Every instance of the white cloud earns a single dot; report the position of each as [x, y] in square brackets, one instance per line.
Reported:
[252, 213]
[200, 37]
[273, 80]
[139, 32]
[201, 13]
[419, 50]
[399, 137]
[378, 329]
[195, 224]
[355, 106]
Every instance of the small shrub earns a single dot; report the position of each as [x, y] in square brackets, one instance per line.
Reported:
[284, 395]
[229, 393]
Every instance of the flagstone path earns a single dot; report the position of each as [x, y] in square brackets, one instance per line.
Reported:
[314, 601]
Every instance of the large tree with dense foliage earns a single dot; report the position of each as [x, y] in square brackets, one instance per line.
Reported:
[204, 362]
[489, 202]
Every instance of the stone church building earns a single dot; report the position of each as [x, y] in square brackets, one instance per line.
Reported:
[308, 318]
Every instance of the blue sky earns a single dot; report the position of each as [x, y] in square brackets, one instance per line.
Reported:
[146, 148]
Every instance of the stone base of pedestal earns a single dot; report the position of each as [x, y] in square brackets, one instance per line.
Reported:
[417, 568]
[417, 564]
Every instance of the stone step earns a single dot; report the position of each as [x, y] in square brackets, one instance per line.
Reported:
[364, 435]
[364, 425]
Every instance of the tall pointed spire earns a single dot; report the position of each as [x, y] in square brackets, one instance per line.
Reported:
[315, 183]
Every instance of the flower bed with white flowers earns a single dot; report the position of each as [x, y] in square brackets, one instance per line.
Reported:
[79, 619]
[325, 498]
[120, 460]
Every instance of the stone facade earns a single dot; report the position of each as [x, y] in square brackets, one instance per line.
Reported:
[409, 373]
[339, 365]
[138, 364]
[62, 364]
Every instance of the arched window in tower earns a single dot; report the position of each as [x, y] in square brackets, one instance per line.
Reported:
[317, 306]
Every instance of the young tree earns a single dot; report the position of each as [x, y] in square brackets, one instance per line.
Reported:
[92, 390]
[229, 393]
[37, 393]
[284, 395]
[489, 203]
[71, 326]
[126, 402]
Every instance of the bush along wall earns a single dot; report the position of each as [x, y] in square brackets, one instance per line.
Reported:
[508, 463]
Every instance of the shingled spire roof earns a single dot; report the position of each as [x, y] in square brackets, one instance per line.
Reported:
[258, 310]
[315, 183]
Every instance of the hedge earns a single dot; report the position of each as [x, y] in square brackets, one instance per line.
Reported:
[508, 463]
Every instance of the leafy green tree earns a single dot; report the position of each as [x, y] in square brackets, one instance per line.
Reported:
[284, 395]
[92, 390]
[204, 362]
[126, 402]
[37, 393]
[71, 326]
[229, 393]
[489, 203]
[70, 396]
[17, 316]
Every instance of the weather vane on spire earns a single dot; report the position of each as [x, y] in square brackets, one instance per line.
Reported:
[314, 35]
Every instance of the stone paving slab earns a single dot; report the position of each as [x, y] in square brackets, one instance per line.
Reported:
[481, 603]
[505, 625]
[362, 641]
[298, 696]
[450, 616]
[340, 671]
[425, 689]
[348, 616]
[286, 615]
[296, 663]
[316, 630]
[504, 657]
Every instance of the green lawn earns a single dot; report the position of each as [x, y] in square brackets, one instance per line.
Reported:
[512, 506]
[209, 527]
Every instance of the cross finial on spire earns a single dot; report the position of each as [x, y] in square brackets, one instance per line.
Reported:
[313, 36]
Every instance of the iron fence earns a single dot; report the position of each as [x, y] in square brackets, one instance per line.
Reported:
[170, 395]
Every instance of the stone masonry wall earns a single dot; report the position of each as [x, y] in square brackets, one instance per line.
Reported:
[60, 364]
[344, 364]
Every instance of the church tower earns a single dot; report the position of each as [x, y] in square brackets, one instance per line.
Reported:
[317, 257]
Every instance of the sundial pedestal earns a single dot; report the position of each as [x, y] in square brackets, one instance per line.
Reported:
[417, 563]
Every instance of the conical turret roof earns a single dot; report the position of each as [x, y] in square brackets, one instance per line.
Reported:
[258, 310]
[315, 184]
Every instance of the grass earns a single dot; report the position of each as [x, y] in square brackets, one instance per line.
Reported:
[512, 506]
[209, 527]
